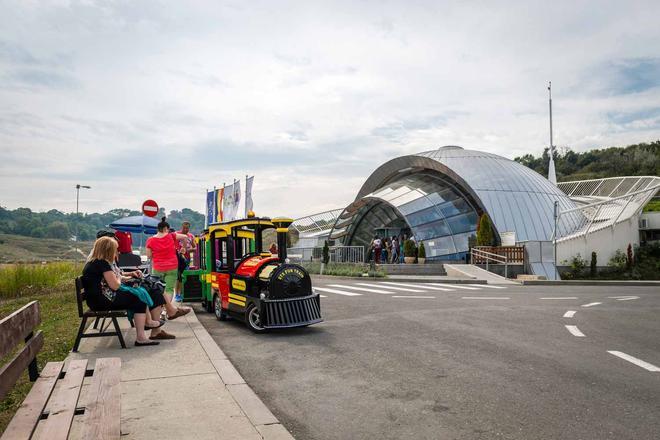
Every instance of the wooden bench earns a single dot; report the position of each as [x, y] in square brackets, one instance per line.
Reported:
[96, 315]
[49, 408]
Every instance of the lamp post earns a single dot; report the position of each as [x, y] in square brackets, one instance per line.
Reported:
[78, 186]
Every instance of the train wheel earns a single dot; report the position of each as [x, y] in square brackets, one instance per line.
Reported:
[220, 314]
[252, 319]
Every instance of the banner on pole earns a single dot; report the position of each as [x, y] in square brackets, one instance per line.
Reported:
[210, 207]
[231, 200]
[249, 205]
[219, 196]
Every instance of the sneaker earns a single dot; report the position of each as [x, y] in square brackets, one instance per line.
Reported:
[178, 298]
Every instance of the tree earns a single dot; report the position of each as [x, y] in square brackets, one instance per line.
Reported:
[58, 230]
[408, 248]
[326, 252]
[421, 251]
[485, 234]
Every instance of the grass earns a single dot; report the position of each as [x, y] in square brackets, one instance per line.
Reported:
[17, 280]
[18, 248]
[652, 206]
[59, 325]
[343, 269]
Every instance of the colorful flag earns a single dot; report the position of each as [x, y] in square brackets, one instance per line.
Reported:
[220, 193]
[249, 205]
[231, 200]
[210, 207]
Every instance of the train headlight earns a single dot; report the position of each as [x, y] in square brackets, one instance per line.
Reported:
[262, 295]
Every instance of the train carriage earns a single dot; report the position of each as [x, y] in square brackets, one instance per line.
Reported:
[234, 277]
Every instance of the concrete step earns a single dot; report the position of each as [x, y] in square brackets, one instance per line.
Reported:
[413, 269]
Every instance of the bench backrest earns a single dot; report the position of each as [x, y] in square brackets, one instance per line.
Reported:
[14, 329]
[80, 295]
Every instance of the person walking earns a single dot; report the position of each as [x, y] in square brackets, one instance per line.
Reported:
[161, 250]
[378, 247]
[395, 250]
[184, 250]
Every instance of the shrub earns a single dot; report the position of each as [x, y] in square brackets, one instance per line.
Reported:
[421, 252]
[592, 266]
[618, 261]
[577, 265]
[408, 248]
[629, 257]
[326, 252]
[485, 235]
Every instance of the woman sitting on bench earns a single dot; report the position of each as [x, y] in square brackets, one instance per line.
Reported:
[101, 284]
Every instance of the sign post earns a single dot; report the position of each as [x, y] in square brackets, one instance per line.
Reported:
[150, 209]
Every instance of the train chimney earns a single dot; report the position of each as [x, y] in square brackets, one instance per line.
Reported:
[282, 229]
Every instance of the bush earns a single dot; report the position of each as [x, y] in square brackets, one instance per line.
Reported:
[629, 257]
[342, 269]
[408, 248]
[618, 261]
[592, 266]
[485, 235]
[577, 265]
[326, 252]
[421, 252]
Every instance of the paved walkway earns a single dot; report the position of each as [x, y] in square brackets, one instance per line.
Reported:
[183, 388]
[474, 272]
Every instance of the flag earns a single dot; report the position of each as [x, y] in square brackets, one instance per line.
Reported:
[231, 200]
[249, 205]
[210, 207]
[220, 193]
[237, 199]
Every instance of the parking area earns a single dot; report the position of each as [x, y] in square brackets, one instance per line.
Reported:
[434, 360]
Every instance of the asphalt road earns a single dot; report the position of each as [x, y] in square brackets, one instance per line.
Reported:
[461, 364]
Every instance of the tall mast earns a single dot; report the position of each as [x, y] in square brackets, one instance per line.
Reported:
[552, 176]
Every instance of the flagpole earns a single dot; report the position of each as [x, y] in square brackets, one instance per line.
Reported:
[246, 210]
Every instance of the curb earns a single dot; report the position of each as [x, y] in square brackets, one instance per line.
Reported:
[256, 411]
[588, 283]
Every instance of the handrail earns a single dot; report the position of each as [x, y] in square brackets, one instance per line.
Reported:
[491, 256]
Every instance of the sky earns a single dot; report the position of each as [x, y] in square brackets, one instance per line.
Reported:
[165, 99]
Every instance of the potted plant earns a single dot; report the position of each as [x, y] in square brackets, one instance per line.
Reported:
[421, 253]
[409, 252]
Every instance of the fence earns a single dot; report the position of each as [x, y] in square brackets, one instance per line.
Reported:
[514, 254]
[338, 254]
[477, 254]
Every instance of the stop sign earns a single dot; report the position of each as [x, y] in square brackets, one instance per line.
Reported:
[150, 208]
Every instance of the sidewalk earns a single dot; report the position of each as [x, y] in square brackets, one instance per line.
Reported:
[181, 389]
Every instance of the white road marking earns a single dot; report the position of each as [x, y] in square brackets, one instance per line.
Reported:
[590, 304]
[413, 296]
[569, 314]
[485, 297]
[560, 297]
[362, 289]
[323, 296]
[640, 363]
[418, 286]
[575, 331]
[380, 286]
[488, 286]
[338, 292]
[456, 286]
[623, 298]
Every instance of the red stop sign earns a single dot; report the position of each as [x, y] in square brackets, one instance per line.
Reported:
[150, 208]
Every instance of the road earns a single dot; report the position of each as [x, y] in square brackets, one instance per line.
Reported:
[430, 361]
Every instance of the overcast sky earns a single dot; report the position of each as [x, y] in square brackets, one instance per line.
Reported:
[157, 99]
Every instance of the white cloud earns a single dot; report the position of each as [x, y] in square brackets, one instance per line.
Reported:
[165, 99]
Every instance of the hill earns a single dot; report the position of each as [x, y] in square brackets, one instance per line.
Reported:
[17, 248]
[633, 160]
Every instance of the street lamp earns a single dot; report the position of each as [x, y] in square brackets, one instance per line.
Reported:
[78, 186]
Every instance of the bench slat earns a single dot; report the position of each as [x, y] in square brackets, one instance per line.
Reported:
[15, 327]
[103, 412]
[10, 372]
[25, 420]
[63, 402]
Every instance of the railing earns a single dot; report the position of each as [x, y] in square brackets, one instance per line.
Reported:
[605, 213]
[338, 254]
[480, 255]
[515, 254]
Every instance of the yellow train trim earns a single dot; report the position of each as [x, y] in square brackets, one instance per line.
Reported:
[238, 303]
[238, 297]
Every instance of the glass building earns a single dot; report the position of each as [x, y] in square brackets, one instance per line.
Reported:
[438, 196]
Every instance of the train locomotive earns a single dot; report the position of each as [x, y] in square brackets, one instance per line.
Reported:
[234, 278]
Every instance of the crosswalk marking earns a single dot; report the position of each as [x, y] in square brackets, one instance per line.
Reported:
[488, 286]
[381, 286]
[338, 292]
[456, 286]
[363, 289]
[420, 286]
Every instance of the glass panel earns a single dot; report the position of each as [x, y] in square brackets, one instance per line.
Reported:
[424, 216]
[413, 195]
[463, 223]
[430, 230]
[415, 205]
[439, 246]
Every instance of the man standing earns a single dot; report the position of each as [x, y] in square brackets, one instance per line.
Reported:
[184, 249]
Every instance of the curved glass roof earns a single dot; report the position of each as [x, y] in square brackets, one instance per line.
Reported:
[439, 194]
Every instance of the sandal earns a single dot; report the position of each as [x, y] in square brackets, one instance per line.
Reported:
[144, 344]
[162, 335]
[179, 312]
[160, 324]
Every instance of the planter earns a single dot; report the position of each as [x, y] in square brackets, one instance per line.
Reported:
[421, 260]
[409, 260]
